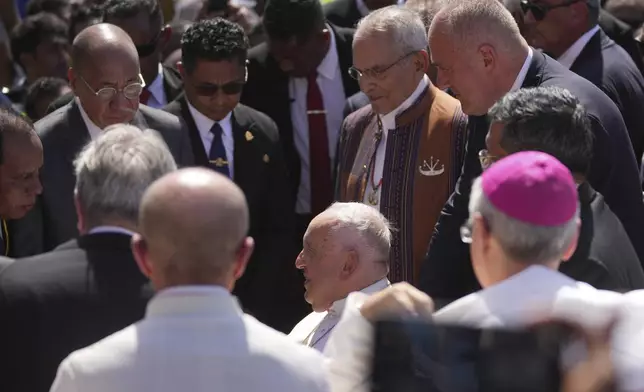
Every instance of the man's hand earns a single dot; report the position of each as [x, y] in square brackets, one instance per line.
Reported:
[399, 300]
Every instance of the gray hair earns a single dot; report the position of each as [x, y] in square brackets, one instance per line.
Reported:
[523, 242]
[473, 22]
[114, 170]
[361, 227]
[405, 27]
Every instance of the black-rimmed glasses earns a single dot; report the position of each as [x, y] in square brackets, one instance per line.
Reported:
[376, 72]
[131, 91]
[539, 11]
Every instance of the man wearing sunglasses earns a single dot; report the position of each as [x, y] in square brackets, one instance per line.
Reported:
[243, 144]
[481, 56]
[568, 31]
[106, 82]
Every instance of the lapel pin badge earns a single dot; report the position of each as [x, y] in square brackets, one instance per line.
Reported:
[249, 136]
[266, 158]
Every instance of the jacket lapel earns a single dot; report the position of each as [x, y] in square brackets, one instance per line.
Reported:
[343, 43]
[77, 134]
[198, 150]
[590, 51]
[172, 84]
[534, 77]
[243, 135]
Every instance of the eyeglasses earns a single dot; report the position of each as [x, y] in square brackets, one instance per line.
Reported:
[486, 159]
[131, 91]
[231, 88]
[539, 11]
[466, 232]
[376, 72]
[148, 49]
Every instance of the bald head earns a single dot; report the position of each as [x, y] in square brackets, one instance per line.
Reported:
[100, 42]
[193, 221]
[477, 22]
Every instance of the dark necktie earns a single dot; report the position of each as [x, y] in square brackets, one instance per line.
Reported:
[145, 96]
[217, 155]
[320, 163]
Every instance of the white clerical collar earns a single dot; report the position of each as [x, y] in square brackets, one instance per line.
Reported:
[110, 229]
[389, 119]
[93, 129]
[568, 58]
[518, 82]
[338, 306]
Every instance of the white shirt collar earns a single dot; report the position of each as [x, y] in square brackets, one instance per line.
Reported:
[156, 87]
[204, 123]
[93, 129]
[329, 64]
[111, 229]
[568, 58]
[518, 82]
[338, 306]
[389, 119]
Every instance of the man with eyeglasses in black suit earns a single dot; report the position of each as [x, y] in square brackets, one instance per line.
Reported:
[107, 83]
[243, 144]
[142, 20]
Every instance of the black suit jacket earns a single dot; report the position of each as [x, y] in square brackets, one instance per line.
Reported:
[610, 68]
[267, 91]
[605, 257]
[63, 133]
[5, 262]
[62, 301]
[342, 13]
[271, 289]
[622, 34]
[447, 272]
[172, 85]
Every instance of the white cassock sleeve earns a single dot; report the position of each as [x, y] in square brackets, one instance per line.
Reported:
[349, 349]
[64, 381]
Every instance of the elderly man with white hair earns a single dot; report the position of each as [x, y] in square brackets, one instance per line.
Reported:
[402, 153]
[346, 249]
[524, 220]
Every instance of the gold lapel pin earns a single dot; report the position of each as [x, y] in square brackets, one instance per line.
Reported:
[266, 158]
[249, 136]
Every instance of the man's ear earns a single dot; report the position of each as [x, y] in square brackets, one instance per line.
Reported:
[181, 69]
[140, 252]
[573, 244]
[244, 253]
[166, 34]
[71, 76]
[80, 224]
[350, 265]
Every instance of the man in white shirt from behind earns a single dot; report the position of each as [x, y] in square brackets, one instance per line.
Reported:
[346, 249]
[195, 336]
[524, 219]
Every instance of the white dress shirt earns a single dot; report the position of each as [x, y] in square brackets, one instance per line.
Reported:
[157, 98]
[389, 123]
[197, 339]
[111, 229]
[518, 82]
[535, 294]
[315, 329]
[204, 124]
[333, 96]
[568, 58]
[93, 129]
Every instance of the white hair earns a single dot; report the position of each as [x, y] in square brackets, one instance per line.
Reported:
[523, 242]
[114, 170]
[361, 227]
[405, 27]
[474, 22]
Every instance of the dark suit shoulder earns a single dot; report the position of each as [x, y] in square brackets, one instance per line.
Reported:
[258, 55]
[160, 118]
[173, 107]
[263, 123]
[53, 125]
[43, 272]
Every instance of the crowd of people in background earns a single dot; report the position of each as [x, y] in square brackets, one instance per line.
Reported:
[230, 194]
